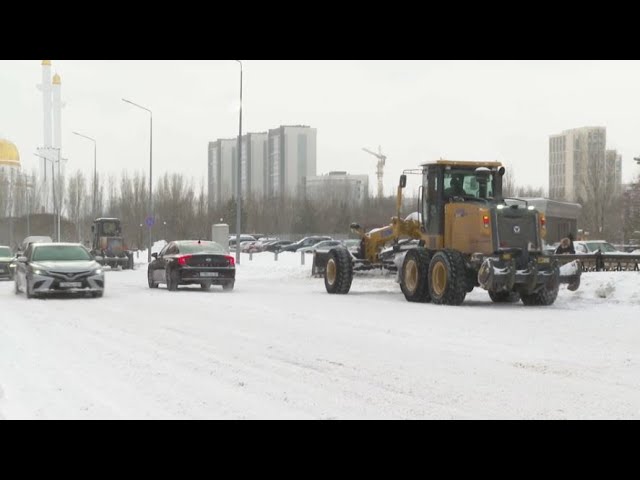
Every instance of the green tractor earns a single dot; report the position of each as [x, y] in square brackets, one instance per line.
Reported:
[108, 244]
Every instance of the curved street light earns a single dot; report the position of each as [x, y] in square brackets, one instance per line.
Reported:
[95, 171]
[238, 177]
[150, 170]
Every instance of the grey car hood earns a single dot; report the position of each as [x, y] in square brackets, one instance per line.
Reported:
[69, 266]
[6, 259]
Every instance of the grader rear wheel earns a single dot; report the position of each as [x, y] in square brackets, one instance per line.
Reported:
[414, 280]
[338, 274]
[545, 296]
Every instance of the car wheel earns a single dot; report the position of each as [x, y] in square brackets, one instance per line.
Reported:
[29, 292]
[228, 286]
[205, 285]
[173, 277]
[98, 294]
[152, 284]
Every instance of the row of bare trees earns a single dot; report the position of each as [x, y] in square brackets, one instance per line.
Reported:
[182, 210]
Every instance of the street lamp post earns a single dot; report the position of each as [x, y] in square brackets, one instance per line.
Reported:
[56, 211]
[28, 186]
[95, 171]
[150, 224]
[165, 231]
[238, 175]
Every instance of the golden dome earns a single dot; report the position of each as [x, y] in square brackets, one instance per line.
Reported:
[56, 79]
[46, 62]
[9, 155]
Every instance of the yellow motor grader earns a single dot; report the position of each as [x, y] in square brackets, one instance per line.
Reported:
[468, 236]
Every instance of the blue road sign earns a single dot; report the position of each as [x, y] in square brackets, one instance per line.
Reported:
[150, 222]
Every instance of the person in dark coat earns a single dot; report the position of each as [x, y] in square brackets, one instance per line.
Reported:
[566, 246]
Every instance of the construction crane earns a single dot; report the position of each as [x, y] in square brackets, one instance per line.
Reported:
[379, 168]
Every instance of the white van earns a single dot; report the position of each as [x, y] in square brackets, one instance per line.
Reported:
[34, 239]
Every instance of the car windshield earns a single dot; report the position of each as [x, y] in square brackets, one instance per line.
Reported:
[62, 253]
[202, 247]
[5, 252]
[602, 246]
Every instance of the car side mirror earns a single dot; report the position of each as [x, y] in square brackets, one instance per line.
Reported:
[22, 259]
[154, 255]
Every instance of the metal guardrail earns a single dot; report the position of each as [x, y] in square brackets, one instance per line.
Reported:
[600, 262]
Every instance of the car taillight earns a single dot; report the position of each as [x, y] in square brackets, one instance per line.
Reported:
[485, 221]
[183, 259]
[232, 261]
[543, 221]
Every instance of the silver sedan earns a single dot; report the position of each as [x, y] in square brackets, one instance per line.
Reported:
[48, 268]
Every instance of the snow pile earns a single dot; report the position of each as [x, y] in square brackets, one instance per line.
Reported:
[608, 287]
[605, 290]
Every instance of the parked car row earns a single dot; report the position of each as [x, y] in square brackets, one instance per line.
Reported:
[250, 244]
[306, 245]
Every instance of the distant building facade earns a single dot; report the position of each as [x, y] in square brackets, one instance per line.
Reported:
[221, 171]
[273, 163]
[561, 217]
[578, 159]
[613, 170]
[254, 164]
[291, 159]
[340, 186]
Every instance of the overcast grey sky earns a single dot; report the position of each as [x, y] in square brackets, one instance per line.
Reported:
[416, 110]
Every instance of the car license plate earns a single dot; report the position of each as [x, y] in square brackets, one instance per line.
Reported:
[70, 284]
[208, 274]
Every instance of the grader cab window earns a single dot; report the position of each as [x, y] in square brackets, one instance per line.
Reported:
[110, 229]
[465, 183]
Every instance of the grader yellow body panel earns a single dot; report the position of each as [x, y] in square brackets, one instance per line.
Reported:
[468, 228]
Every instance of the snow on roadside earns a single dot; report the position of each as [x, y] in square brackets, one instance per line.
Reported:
[595, 287]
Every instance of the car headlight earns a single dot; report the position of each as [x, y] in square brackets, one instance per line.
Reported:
[37, 271]
[97, 271]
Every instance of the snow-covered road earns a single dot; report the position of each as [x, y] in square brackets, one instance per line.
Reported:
[280, 347]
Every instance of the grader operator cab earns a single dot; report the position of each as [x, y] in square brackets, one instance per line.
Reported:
[108, 244]
[469, 236]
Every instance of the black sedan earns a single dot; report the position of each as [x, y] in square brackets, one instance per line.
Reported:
[188, 262]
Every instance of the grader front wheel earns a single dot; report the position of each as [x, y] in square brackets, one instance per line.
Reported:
[447, 278]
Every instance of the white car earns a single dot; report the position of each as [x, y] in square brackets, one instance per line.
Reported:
[324, 245]
[592, 246]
